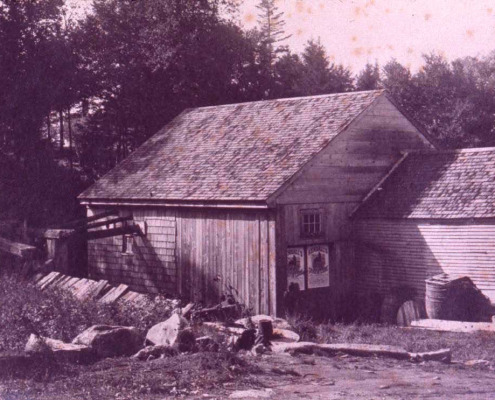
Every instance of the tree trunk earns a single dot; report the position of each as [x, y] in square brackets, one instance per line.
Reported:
[61, 118]
[49, 127]
[69, 124]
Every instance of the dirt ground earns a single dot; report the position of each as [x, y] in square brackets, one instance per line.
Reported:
[273, 377]
[366, 378]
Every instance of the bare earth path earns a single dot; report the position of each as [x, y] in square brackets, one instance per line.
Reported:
[365, 378]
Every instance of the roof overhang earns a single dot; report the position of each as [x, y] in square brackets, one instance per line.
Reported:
[233, 204]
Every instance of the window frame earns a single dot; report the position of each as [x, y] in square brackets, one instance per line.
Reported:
[311, 213]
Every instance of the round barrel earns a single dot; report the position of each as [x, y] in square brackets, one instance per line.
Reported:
[435, 296]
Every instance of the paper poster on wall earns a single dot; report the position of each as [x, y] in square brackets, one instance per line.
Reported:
[295, 266]
[318, 266]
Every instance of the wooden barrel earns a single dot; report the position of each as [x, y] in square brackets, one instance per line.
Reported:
[435, 296]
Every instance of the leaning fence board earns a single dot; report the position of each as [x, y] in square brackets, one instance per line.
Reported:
[48, 281]
[114, 294]
[42, 281]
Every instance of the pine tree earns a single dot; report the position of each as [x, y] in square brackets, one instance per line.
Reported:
[369, 78]
[271, 26]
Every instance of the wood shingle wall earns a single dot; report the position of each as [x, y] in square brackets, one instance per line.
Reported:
[152, 265]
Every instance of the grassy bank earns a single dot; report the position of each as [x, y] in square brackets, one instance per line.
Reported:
[56, 313]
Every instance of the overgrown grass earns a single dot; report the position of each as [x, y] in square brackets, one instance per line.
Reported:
[126, 378]
[464, 346]
[56, 313]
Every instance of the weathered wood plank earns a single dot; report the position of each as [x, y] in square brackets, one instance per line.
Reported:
[17, 249]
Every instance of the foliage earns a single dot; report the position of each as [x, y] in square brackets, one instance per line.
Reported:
[369, 78]
[55, 313]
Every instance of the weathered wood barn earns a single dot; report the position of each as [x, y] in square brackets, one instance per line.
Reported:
[434, 213]
[251, 198]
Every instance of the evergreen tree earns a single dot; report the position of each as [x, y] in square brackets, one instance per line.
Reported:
[369, 78]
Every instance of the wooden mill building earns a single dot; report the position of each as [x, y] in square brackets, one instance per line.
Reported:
[250, 198]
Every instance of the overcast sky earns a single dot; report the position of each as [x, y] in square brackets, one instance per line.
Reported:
[358, 31]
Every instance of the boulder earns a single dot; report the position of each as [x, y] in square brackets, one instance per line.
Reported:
[284, 335]
[166, 333]
[61, 351]
[246, 340]
[206, 343]
[111, 341]
[278, 323]
[186, 341]
[151, 352]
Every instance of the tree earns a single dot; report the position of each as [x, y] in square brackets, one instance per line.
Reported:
[319, 76]
[369, 78]
[28, 35]
[151, 59]
[271, 28]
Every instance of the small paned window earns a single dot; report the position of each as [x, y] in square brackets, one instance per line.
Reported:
[127, 241]
[311, 223]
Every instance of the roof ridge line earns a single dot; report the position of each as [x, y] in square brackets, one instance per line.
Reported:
[281, 99]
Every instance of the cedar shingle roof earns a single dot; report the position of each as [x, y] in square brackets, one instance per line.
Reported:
[241, 152]
[448, 184]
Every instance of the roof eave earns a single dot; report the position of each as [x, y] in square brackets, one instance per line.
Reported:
[175, 203]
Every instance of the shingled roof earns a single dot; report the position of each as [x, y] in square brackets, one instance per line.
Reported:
[237, 152]
[447, 184]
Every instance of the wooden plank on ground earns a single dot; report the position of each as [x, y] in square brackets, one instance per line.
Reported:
[114, 294]
[48, 281]
[453, 326]
[45, 278]
[100, 289]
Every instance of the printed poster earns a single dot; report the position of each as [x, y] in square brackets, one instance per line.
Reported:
[296, 266]
[318, 266]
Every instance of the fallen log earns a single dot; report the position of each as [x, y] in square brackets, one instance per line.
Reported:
[361, 350]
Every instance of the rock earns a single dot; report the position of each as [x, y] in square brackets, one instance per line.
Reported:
[63, 352]
[155, 352]
[185, 341]
[253, 394]
[284, 335]
[246, 340]
[206, 343]
[165, 333]
[261, 349]
[111, 341]
[472, 363]
[278, 323]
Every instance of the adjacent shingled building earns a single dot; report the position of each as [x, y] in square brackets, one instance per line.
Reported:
[446, 184]
[434, 213]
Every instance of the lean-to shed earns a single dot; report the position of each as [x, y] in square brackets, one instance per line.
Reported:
[250, 198]
[434, 214]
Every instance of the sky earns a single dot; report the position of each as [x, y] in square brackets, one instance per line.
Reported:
[355, 32]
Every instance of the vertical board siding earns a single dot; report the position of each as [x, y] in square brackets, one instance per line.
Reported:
[151, 267]
[394, 253]
[226, 251]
